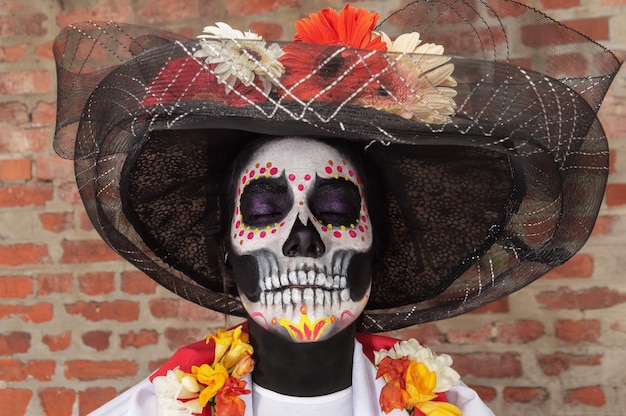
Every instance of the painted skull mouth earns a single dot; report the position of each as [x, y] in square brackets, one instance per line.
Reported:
[304, 280]
[296, 287]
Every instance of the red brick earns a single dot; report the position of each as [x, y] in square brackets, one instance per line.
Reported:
[57, 222]
[93, 397]
[24, 254]
[15, 287]
[25, 195]
[461, 337]
[97, 283]
[596, 28]
[615, 194]
[487, 394]
[119, 310]
[590, 396]
[41, 312]
[13, 53]
[498, 306]
[87, 251]
[87, 370]
[25, 140]
[584, 299]
[138, 340]
[13, 370]
[44, 113]
[23, 24]
[576, 332]
[50, 167]
[604, 224]
[267, 30]
[427, 334]
[98, 340]
[59, 342]
[559, 4]
[137, 283]
[500, 9]
[117, 11]
[44, 50]
[246, 7]
[181, 310]
[165, 10]
[520, 332]
[572, 64]
[54, 283]
[581, 265]
[555, 364]
[25, 82]
[488, 364]
[84, 221]
[14, 112]
[68, 192]
[15, 170]
[14, 342]
[14, 401]
[179, 337]
[525, 395]
[57, 401]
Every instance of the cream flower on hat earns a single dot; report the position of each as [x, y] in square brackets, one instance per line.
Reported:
[241, 56]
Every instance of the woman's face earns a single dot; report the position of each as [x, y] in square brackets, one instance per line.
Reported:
[300, 239]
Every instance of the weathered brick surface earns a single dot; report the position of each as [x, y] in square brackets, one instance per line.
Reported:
[78, 325]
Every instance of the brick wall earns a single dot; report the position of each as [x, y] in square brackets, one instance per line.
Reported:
[78, 325]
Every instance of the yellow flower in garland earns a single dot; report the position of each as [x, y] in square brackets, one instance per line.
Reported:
[213, 378]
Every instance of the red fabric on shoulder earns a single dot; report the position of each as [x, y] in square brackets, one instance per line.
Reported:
[184, 358]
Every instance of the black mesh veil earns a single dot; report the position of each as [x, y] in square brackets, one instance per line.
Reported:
[476, 204]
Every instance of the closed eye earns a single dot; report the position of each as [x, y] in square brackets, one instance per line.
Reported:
[335, 201]
[265, 201]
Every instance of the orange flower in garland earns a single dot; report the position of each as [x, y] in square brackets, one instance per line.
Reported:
[351, 27]
[344, 68]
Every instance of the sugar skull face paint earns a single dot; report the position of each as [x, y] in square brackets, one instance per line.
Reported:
[301, 239]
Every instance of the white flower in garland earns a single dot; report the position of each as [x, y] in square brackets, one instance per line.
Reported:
[241, 56]
[172, 387]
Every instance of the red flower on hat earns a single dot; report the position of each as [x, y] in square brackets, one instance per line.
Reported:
[333, 74]
[186, 79]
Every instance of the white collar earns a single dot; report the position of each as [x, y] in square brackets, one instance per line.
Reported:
[365, 388]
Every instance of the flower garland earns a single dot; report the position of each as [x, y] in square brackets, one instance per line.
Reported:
[211, 388]
[334, 57]
[415, 376]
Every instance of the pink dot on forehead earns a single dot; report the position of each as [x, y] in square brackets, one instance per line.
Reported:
[273, 171]
[291, 177]
[300, 187]
[307, 177]
[337, 234]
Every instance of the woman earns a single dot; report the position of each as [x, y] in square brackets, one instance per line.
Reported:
[383, 184]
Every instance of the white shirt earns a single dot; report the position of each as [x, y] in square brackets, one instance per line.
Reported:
[140, 399]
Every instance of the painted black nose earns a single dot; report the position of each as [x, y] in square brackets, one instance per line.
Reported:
[303, 241]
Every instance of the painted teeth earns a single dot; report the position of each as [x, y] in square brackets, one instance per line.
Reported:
[312, 287]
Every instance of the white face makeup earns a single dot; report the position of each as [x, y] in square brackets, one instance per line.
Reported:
[300, 239]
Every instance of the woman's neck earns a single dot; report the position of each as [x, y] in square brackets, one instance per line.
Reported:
[302, 369]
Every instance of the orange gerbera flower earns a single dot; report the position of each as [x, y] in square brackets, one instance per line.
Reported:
[351, 27]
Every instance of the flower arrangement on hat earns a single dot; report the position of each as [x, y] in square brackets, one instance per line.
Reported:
[212, 388]
[414, 81]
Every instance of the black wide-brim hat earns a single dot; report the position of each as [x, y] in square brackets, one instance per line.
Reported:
[485, 190]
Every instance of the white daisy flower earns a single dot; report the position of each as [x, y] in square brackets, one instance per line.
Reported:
[241, 56]
[420, 86]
